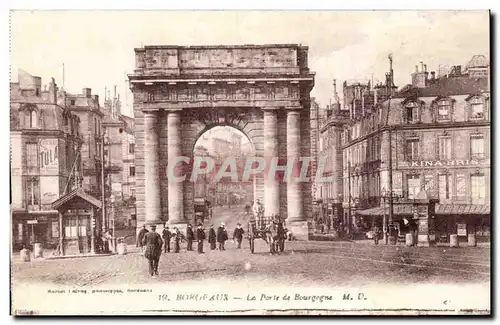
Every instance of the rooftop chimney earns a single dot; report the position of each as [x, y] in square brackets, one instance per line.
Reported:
[433, 75]
[416, 68]
[425, 67]
[87, 92]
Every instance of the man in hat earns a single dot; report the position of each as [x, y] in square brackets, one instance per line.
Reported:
[152, 241]
[200, 236]
[212, 238]
[178, 236]
[140, 236]
[222, 236]
[238, 234]
[167, 235]
[189, 237]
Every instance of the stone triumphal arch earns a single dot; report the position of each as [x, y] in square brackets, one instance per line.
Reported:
[180, 92]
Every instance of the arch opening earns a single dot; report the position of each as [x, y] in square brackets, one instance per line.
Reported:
[222, 150]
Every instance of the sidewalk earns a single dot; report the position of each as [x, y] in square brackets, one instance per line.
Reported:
[50, 254]
[331, 237]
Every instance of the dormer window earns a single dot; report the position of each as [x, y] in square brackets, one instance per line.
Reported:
[411, 112]
[31, 119]
[443, 110]
[477, 108]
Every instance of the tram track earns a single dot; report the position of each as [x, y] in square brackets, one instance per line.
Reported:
[406, 259]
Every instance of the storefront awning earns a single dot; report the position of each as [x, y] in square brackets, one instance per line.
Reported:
[75, 199]
[441, 209]
[379, 211]
[462, 209]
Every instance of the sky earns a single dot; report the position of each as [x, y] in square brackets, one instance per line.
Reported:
[97, 47]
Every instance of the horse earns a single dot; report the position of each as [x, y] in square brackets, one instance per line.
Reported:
[275, 235]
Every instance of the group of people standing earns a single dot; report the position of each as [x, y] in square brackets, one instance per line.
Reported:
[152, 244]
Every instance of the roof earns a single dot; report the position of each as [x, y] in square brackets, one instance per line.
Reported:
[449, 86]
[478, 61]
[129, 123]
[75, 195]
[51, 114]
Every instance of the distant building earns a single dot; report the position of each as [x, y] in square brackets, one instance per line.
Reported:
[86, 107]
[119, 160]
[45, 139]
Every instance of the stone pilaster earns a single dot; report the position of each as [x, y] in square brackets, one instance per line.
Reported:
[271, 183]
[175, 188]
[294, 191]
[151, 169]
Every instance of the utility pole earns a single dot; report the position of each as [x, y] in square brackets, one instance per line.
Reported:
[103, 195]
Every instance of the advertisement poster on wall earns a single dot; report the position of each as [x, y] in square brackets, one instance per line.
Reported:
[50, 189]
[49, 162]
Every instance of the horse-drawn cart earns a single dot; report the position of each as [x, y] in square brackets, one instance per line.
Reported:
[271, 229]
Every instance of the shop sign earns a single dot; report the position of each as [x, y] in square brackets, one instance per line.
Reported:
[444, 163]
[462, 229]
[32, 222]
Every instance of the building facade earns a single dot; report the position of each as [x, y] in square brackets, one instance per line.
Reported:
[431, 137]
[429, 141]
[86, 107]
[119, 152]
[45, 142]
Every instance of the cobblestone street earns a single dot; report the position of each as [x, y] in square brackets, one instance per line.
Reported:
[303, 263]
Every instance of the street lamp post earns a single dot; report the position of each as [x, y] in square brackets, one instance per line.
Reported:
[384, 221]
[349, 197]
[100, 140]
[112, 201]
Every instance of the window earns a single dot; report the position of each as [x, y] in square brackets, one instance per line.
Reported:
[444, 110]
[444, 148]
[428, 182]
[55, 229]
[20, 232]
[72, 102]
[477, 146]
[460, 186]
[32, 192]
[478, 189]
[70, 229]
[413, 185]
[411, 112]
[411, 151]
[32, 155]
[31, 119]
[477, 109]
[444, 187]
[132, 170]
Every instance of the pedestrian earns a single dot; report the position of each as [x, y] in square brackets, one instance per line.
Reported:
[238, 234]
[212, 237]
[200, 236]
[222, 236]
[140, 236]
[178, 236]
[152, 241]
[106, 238]
[376, 232]
[167, 235]
[189, 237]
